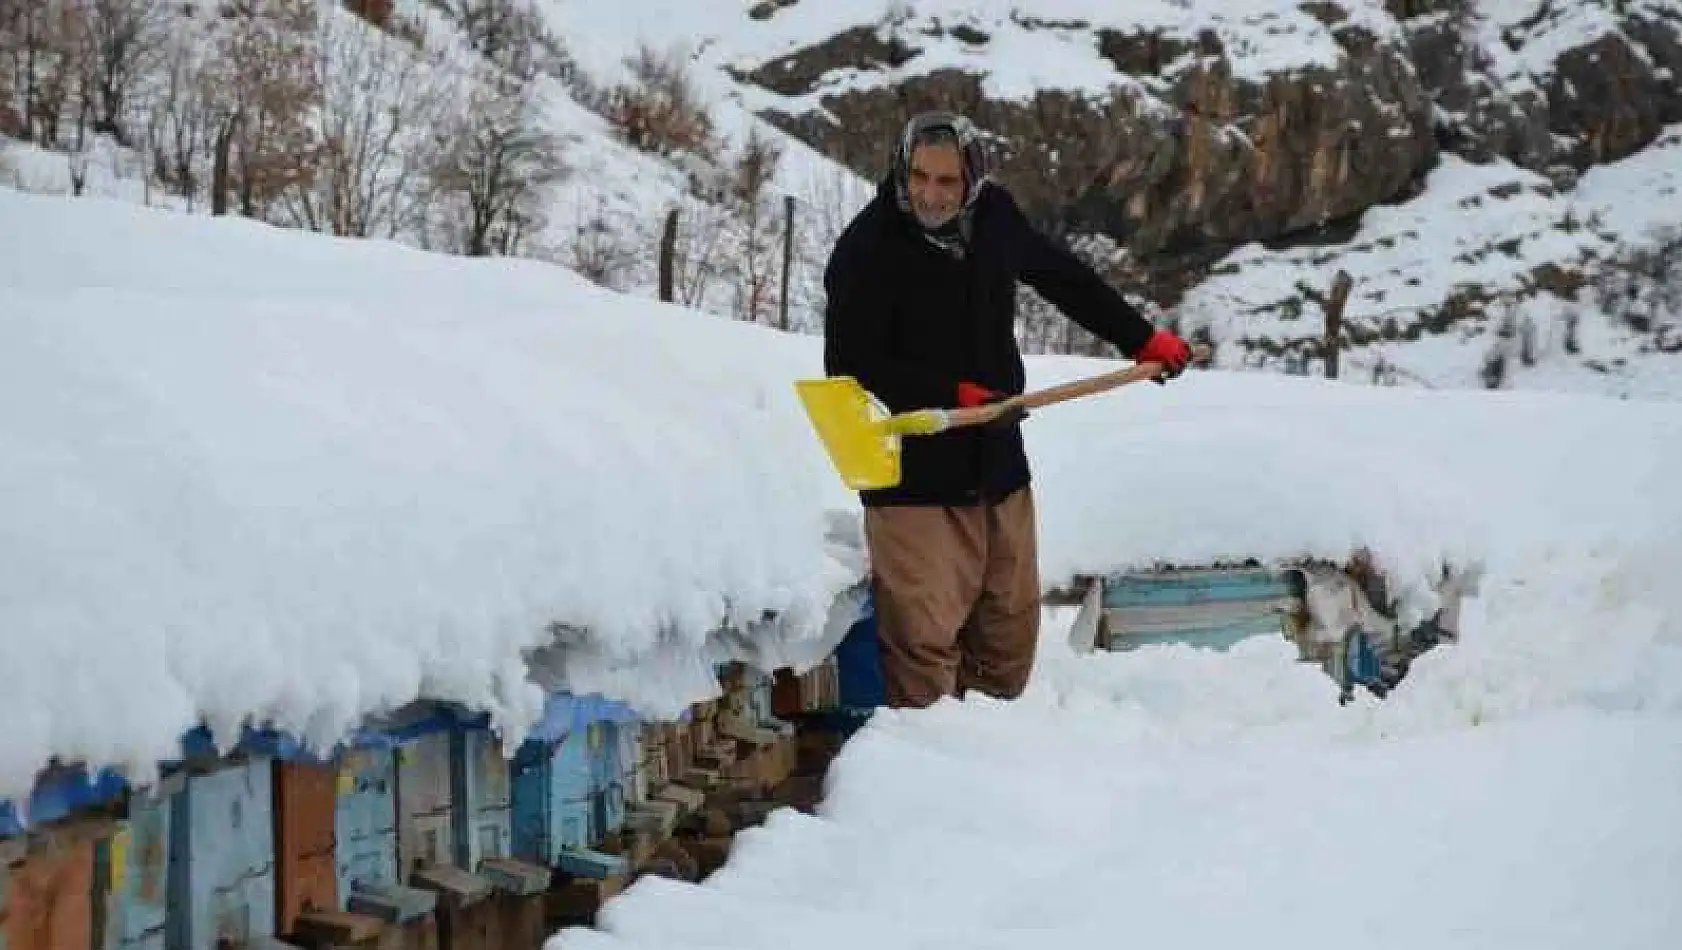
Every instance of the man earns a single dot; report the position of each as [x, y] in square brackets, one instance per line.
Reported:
[921, 309]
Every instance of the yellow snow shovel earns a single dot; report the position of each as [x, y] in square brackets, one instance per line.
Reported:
[863, 438]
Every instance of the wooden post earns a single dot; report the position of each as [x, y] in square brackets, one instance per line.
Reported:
[668, 248]
[788, 255]
[1341, 285]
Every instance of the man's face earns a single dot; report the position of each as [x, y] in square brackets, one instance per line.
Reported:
[936, 183]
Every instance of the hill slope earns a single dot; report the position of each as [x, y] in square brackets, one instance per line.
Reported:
[1232, 157]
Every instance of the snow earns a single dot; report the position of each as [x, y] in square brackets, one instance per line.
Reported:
[1636, 196]
[1177, 797]
[1405, 256]
[1518, 789]
[321, 478]
[1483, 228]
[111, 172]
[1055, 44]
[1541, 31]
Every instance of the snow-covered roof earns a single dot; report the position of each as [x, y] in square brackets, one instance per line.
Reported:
[254, 472]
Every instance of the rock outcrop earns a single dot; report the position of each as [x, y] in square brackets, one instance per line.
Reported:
[1192, 152]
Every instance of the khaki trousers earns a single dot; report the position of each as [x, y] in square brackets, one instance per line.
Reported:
[957, 597]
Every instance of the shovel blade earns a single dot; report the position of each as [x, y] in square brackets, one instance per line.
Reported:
[849, 423]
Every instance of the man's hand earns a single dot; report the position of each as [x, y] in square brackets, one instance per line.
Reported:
[1169, 350]
[971, 395]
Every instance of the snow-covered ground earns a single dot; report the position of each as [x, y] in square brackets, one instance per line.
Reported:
[321, 477]
[1048, 825]
[1518, 790]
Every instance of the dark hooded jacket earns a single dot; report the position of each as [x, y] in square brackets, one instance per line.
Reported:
[910, 320]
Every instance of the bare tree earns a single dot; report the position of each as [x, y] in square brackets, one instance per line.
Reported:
[700, 252]
[265, 87]
[597, 250]
[755, 167]
[829, 200]
[126, 38]
[379, 114]
[509, 34]
[178, 119]
[11, 33]
[495, 166]
[48, 53]
[21, 48]
[660, 111]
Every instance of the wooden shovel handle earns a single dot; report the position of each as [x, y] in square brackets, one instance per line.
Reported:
[1074, 389]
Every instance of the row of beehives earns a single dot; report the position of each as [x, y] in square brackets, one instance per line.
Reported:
[419, 833]
[1341, 618]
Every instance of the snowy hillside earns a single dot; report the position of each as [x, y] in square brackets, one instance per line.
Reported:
[1477, 233]
[328, 476]
[1252, 150]
[1240, 153]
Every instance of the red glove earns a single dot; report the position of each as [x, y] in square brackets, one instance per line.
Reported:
[1165, 348]
[974, 394]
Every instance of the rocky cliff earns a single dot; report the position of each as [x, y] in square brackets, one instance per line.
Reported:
[1187, 129]
[1232, 123]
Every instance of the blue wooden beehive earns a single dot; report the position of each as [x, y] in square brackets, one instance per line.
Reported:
[365, 832]
[60, 793]
[222, 858]
[483, 798]
[860, 688]
[552, 784]
[426, 835]
[632, 762]
[138, 860]
[1213, 608]
[569, 784]
[607, 780]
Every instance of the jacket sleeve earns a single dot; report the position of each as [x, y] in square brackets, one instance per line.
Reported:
[1074, 288]
[858, 339]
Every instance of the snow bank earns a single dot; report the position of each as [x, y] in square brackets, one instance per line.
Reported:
[257, 472]
[260, 472]
[1534, 764]
[1189, 798]
[988, 826]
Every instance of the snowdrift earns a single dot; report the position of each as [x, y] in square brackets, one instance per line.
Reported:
[258, 473]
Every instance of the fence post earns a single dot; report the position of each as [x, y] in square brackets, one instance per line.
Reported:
[668, 248]
[788, 256]
[1341, 285]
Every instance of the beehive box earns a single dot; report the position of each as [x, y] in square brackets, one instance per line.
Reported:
[489, 802]
[1213, 608]
[47, 891]
[632, 777]
[305, 808]
[680, 750]
[222, 857]
[552, 785]
[365, 823]
[365, 856]
[426, 825]
[607, 780]
[656, 768]
[137, 876]
[512, 916]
